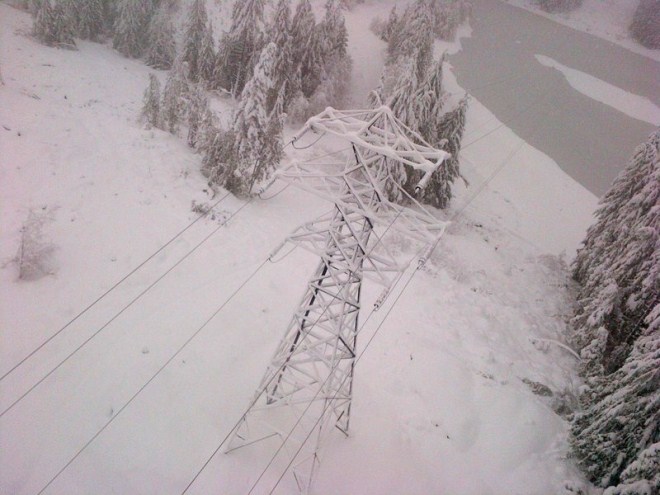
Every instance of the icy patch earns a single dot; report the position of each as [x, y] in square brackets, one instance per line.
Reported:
[635, 106]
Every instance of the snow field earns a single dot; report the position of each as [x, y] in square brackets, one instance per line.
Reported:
[439, 405]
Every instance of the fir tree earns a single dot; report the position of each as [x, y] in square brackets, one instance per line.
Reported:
[131, 27]
[284, 74]
[617, 329]
[392, 28]
[252, 142]
[89, 18]
[402, 104]
[52, 26]
[207, 56]
[198, 108]
[218, 155]
[174, 95]
[151, 107]
[429, 101]
[450, 131]
[615, 256]
[240, 46]
[307, 54]
[334, 36]
[196, 32]
[161, 47]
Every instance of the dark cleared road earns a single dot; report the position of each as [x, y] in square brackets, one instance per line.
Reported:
[589, 140]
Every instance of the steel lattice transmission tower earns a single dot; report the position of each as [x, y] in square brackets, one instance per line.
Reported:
[307, 388]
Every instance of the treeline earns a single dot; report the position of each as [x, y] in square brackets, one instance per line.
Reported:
[285, 66]
[616, 435]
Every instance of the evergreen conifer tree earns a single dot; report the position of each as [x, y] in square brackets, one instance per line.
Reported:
[52, 26]
[195, 35]
[207, 56]
[617, 330]
[251, 123]
[174, 96]
[131, 27]
[402, 104]
[89, 18]
[449, 130]
[284, 73]
[240, 47]
[307, 54]
[334, 36]
[392, 28]
[198, 106]
[151, 107]
[161, 46]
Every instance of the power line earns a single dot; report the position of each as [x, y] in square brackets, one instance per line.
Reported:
[171, 358]
[135, 299]
[275, 374]
[117, 284]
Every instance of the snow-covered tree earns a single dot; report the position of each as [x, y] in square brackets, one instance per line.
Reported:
[449, 133]
[617, 330]
[89, 18]
[161, 46]
[195, 34]
[207, 56]
[151, 107]
[615, 257]
[279, 33]
[131, 27]
[392, 28]
[307, 50]
[52, 26]
[197, 110]
[333, 34]
[616, 438]
[174, 97]
[645, 26]
[240, 47]
[251, 124]
[219, 154]
[429, 102]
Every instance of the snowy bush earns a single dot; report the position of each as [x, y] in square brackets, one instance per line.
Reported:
[35, 253]
[558, 6]
[645, 26]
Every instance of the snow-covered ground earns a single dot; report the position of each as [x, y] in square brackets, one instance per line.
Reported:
[440, 404]
[635, 106]
[607, 19]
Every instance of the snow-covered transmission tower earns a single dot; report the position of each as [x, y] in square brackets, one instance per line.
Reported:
[307, 388]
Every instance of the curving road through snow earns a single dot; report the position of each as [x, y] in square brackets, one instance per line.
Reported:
[589, 140]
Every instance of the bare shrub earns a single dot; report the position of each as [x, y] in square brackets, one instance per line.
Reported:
[35, 253]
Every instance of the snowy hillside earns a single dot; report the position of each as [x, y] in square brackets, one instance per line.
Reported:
[456, 394]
